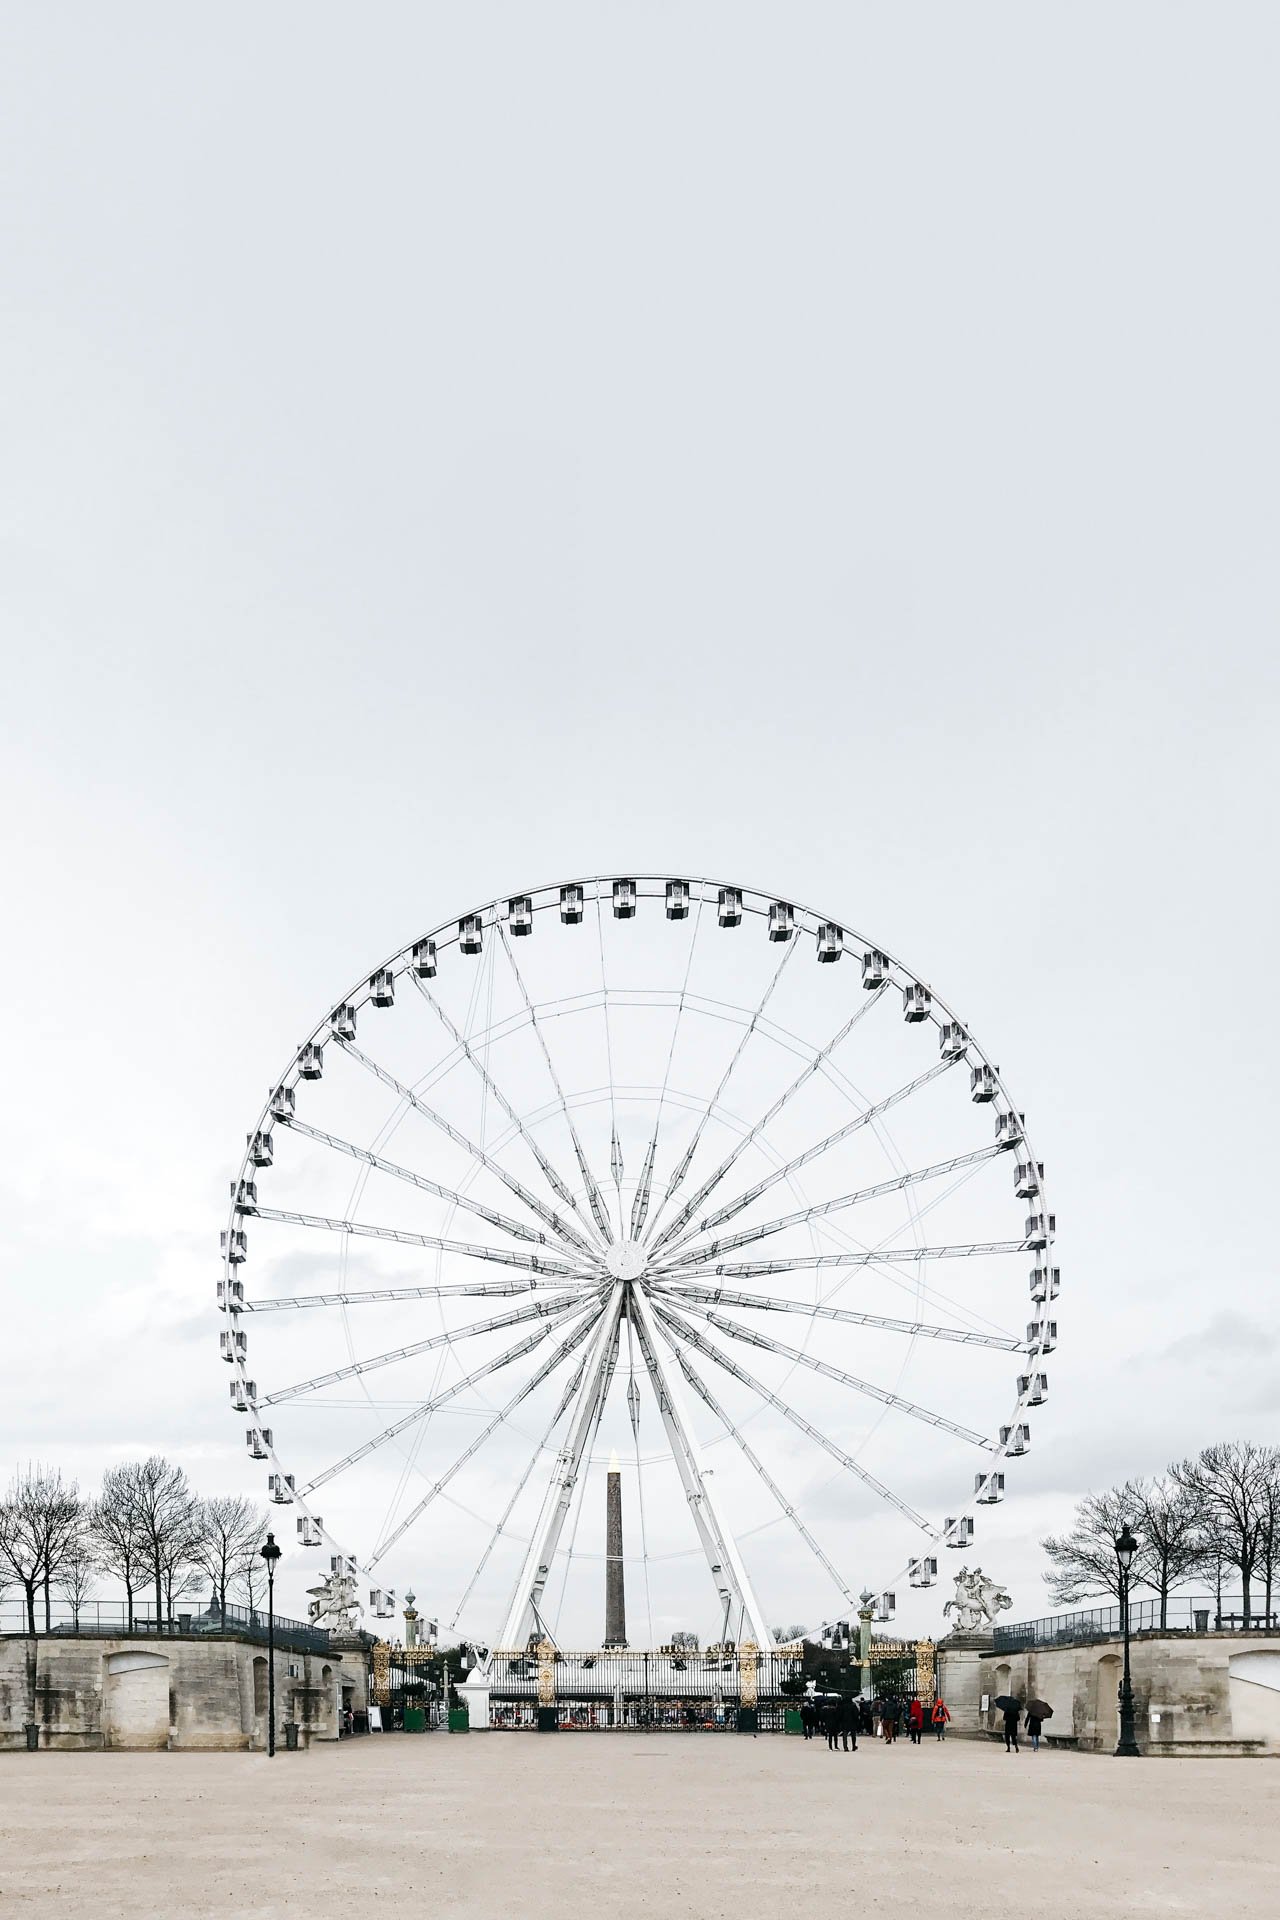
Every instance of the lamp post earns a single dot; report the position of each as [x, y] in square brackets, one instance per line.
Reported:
[271, 1553]
[1126, 1546]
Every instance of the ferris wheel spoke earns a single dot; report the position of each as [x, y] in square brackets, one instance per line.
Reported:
[640, 1203]
[615, 1146]
[682, 1168]
[535, 1570]
[565, 1347]
[478, 1289]
[692, 1253]
[797, 1355]
[516, 1228]
[554, 1309]
[869, 1257]
[467, 1249]
[437, 1400]
[561, 1228]
[594, 1197]
[823, 1146]
[562, 1192]
[681, 1328]
[566, 1398]
[705, 1394]
[771, 1303]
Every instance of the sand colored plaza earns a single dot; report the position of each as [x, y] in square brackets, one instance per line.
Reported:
[689, 1825]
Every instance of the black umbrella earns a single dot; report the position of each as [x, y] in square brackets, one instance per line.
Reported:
[1040, 1709]
[1007, 1704]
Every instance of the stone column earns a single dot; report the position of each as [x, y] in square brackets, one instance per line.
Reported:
[615, 1601]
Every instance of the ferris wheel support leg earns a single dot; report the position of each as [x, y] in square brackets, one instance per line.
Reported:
[728, 1571]
[524, 1615]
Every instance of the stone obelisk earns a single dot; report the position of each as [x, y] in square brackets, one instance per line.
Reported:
[615, 1600]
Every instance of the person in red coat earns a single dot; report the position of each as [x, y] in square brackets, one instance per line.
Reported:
[915, 1721]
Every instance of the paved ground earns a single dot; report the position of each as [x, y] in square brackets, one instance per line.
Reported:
[619, 1825]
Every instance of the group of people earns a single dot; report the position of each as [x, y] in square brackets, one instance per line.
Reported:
[845, 1717]
[1035, 1725]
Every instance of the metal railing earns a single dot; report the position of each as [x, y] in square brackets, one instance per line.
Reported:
[104, 1619]
[1181, 1613]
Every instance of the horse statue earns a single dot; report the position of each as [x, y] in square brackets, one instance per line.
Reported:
[333, 1603]
[978, 1600]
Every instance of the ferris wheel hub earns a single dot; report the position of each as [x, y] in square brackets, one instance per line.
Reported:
[624, 1260]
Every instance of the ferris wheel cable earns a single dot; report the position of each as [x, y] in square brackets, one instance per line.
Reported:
[547, 1215]
[594, 1198]
[516, 1228]
[678, 1176]
[565, 1347]
[705, 1394]
[425, 1407]
[798, 1357]
[552, 1178]
[692, 1253]
[540, 1310]
[479, 1289]
[565, 1399]
[683, 1330]
[367, 1230]
[640, 1203]
[771, 1303]
[812, 1153]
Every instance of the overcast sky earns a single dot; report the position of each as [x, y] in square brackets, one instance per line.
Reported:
[448, 448]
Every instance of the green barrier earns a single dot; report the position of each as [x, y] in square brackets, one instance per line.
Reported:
[459, 1720]
[791, 1721]
[415, 1719]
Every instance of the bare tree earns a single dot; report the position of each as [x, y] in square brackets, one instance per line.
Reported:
[1226, 1485]
[1171, 1535]
[1084, 1562]
[166, 1513]
[1270, 1530]
[41, 1517]
[78, 1575]
[231, 1529]
[116, 1528]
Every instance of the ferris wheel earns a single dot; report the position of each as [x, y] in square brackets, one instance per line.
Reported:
[659, 1171]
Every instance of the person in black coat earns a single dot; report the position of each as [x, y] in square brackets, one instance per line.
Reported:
[1011, 1718]
[849, 1723]
[807, 1717]
[831, 1720]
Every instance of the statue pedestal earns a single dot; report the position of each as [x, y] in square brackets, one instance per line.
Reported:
[960, 1680]
[474, 1695]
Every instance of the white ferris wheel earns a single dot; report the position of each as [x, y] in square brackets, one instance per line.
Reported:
[656, 1171]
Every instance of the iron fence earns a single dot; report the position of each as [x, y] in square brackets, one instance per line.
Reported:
[113, 1619]
[1182, 1613]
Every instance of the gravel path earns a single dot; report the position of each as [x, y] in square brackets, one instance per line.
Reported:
[620, 1824]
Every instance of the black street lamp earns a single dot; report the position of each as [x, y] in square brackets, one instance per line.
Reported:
[271, 1553]
[1127, 1745]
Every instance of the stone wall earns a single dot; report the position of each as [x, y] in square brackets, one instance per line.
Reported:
[1193, 1692]
[207, 1691]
